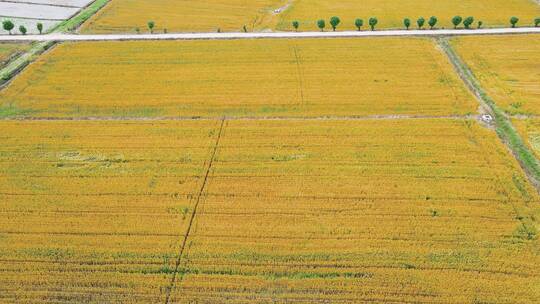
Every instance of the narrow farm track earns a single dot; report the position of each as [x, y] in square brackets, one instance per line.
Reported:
[275, 35]
[193, 214]
[241, 118]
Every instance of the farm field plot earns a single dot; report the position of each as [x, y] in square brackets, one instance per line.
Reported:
[188, 16]
[94, 211]
[510, 75]
[241, 78]
[494, 13]
[183, 15]
[423, 210]
[9, 50]
[419, 211]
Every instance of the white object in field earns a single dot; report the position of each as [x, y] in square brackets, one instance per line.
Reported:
[487, 118]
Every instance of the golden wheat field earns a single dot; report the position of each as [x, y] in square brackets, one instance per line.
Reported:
[315, 170]
[94, 212]
[508, 68]
[390, 13]
[183, 15]
[426, 211]
[9, 50]
[242, 78]
[208, 16]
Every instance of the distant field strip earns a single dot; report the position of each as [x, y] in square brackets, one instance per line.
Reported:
[508, 68]
[247, 78]
[94, 211]
[390, 13]
[423, 211]
[324, 212]
[184, 16]
[207, 16]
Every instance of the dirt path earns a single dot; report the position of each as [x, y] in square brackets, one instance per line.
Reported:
[292, 118]
[275, 35]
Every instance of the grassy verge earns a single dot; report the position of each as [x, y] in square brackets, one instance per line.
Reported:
[504, 127]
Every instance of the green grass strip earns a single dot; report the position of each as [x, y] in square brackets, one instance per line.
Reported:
[85, 14]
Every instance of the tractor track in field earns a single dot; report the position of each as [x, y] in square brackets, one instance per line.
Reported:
[173, 282]
[300, 72]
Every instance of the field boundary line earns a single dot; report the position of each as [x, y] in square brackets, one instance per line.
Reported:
[172, 284]
[58, 36]
[239, 118]
[503, 125]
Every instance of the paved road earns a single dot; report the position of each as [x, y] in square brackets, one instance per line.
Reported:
[202, 36]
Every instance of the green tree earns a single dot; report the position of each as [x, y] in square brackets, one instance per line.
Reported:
[296, 25]
[480, 23]
[8, 25]
[407, 23]
[39, 27]
[334, 22]
[372, 22]
[321, 24]
[468, 21]
[514, 20]
[420, 22]
[432, 21]
[244, 28]
[22, 29]
[151, 25]
[456, 21]
[137, 30]
[536, 22]
[359, 23]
